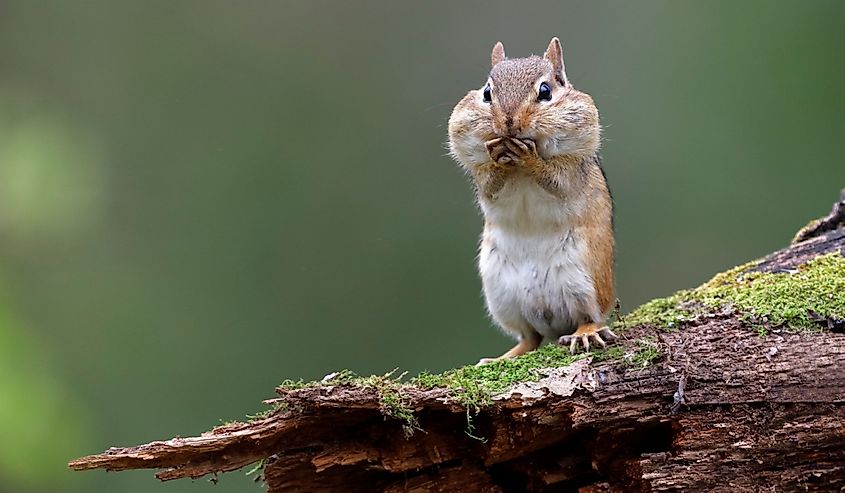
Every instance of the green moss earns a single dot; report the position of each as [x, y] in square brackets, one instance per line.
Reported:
[611, 353]
[337, 378]
[472, 386]
[784, 299]
[289, 384]
[668, 313]
[393, 402]
[647, 352]
[640, 355]
[259, 415]
[392, 399]
[475, 386]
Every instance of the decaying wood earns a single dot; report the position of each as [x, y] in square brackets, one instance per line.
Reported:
[724, 410]
[831, 222]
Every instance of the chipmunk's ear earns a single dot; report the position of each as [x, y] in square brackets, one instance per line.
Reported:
[498, 54]
[554, 54]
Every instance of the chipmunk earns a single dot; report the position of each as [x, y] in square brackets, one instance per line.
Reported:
[530, 142]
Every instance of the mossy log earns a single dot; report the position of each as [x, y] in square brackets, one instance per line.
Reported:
[721, 396]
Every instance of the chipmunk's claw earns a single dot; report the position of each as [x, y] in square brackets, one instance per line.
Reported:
[511, 151]
[527, 342]
[499, 152]
[585, 334]
[522, 148]
[524, 151]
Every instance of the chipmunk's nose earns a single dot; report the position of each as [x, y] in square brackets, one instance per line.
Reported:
[506, 125]
[513, 127]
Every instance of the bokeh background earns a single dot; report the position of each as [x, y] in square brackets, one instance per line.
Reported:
[199, 199]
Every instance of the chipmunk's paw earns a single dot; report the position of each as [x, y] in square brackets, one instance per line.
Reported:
[527, 342]
[524, 151]
[500, 153]
[585, 334]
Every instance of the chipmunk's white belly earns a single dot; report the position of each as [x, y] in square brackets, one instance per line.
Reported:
[532, 262]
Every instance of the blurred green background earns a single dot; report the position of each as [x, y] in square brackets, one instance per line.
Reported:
[199, 199]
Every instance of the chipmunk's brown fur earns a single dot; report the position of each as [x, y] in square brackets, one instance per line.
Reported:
[530, 142]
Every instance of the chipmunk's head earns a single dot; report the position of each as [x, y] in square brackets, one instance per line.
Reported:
[526, 98]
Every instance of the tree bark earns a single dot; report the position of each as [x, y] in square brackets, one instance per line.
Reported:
[724, 409]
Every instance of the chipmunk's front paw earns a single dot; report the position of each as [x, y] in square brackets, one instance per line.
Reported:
[500, 153]
[585, 334]
[524, 151]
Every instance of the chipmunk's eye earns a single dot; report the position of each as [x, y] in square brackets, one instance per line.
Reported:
[488, 97]
[545, 93]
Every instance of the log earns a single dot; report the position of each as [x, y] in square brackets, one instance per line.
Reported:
[706, 391]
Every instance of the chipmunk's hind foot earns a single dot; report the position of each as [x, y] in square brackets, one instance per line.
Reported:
[526, 343]
[585, 334]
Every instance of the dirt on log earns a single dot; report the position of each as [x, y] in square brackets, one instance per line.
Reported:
[723, 409]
